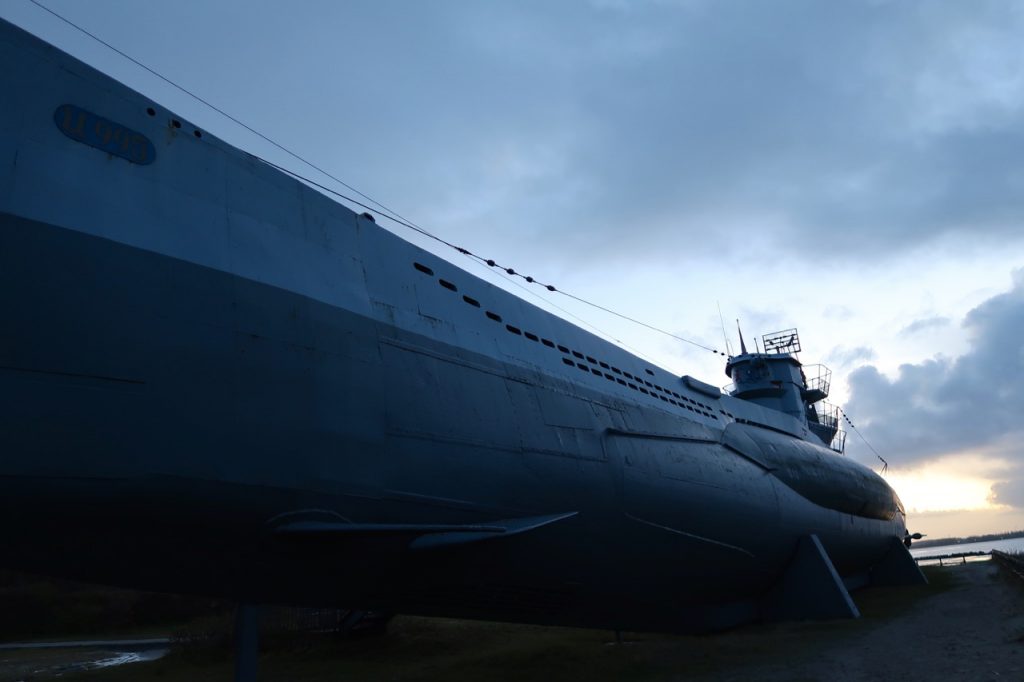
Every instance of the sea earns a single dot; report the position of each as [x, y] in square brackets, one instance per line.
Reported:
[1011, 545]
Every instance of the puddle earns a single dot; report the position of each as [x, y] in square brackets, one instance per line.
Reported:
[53, 663]
[124, 658]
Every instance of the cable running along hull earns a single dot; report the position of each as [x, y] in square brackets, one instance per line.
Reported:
[216, 380]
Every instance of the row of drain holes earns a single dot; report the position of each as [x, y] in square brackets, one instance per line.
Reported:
[174, 122]
[655, 390]
[550, 344]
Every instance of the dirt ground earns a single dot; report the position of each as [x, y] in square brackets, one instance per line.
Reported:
[968, 624]
[974, 631]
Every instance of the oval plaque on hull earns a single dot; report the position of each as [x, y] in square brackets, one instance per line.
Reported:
[88, 128]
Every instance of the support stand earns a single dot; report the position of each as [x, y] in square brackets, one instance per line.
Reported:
[247, 633]
[810, 589]
[898, 568]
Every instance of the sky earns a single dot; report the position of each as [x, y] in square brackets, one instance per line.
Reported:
[852, 169]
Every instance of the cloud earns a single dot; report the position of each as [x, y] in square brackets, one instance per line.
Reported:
[618, 131]
[714, 143]
[860, 129]
[960, 524]
[843, 357]
[972, 403]
[925, 323]
[1010, 492]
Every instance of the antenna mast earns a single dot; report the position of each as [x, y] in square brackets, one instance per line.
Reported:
[728, 348]
[743, 346]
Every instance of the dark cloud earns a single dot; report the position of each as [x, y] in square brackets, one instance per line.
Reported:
[925, 323]
[1010, 492]
[944, 405]
[657, 130]
[860, 128]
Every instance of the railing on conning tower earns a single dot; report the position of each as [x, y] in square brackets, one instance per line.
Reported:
[824, 421]
[818, 381]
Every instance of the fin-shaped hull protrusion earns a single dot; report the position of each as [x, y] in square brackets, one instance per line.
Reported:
[810, 589]
[316, 526]
[897, 568]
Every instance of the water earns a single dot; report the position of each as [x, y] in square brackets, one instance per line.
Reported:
[125, 657]
[1012, 545]
[51, 660]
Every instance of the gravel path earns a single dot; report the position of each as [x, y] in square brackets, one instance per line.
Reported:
[974, 631]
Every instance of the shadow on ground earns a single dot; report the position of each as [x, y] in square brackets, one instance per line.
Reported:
[440, 649]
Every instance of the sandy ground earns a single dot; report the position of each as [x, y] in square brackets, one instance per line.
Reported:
[974, 631]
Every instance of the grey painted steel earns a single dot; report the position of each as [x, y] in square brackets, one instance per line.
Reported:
[199, 352]
[810, 588]
[247, 635]
[898, 568]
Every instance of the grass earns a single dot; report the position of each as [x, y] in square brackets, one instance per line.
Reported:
[418, 649]
[39, 609]
[885, 603]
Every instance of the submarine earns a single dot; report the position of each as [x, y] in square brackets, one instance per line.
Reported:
[217, 380]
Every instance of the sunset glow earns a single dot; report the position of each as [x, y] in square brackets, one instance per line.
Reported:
[963, 482]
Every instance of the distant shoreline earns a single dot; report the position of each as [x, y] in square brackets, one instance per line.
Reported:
[973, 538]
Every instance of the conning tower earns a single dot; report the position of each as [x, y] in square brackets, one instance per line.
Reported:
[776, 379]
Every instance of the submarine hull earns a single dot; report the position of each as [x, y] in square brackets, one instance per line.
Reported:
[215, 380]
